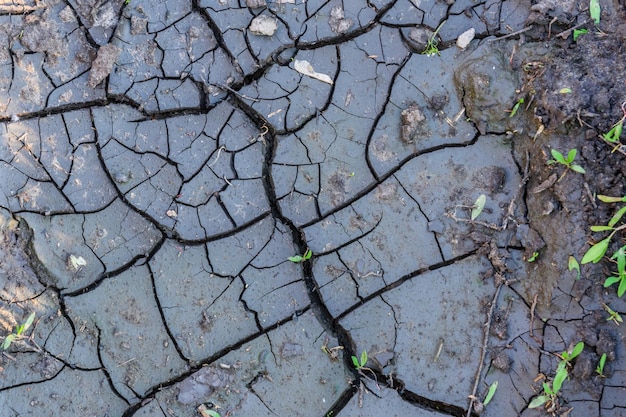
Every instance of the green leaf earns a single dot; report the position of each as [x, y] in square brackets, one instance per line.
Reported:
[608, 199]
[578, 32]
[615, 133]
[559, 379]
[577, 350]
[355, 362]
[572, 264]
[307, 255]
[363, 358]
[617, 216]
[8, 340]
[538, 401]
[29, 321]
[594, 11]
[479, 205]
[492, 390]
[622, 286]
[601, 228]
[610, 281]
[600, 368]
[571, 155]
[547, 389]
[577, 168]
[620, 255]
[558, 156]
[296, 259]
[596, 252]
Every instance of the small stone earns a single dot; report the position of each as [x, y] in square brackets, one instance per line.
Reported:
[263, 25]
[256, 4]
[465, 38]
[103, 64]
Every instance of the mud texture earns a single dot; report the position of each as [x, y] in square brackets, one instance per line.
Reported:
[161, 161]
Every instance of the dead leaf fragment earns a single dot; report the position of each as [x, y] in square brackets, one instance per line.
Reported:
[76, 262]
[171, 213]
[305, 68]
[545, 185]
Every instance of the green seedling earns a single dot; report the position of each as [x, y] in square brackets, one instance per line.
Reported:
[597, 251]
[492, 390]
[301, 258]
[206, 411]
[600, 367]
[19, 332]
[620, 276]
[568, 161]
[516, 107]
[569, 356]
[578, 32]
[534, 257]
[432, 44]
[551, 391]
[359, 364]
[613, 315]
[594, 11]
[478, 207]
[572, 264]
[614, 135]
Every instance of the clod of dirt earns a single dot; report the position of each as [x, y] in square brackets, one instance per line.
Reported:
[418, 38]
[438, 102]
[500, 360]
[202, 384]
[263, 25]
[488, 88]
[413, 125]
[606, 344]
[585, 366]
[492, 178]
[530, 239]
[138, 25]
[337, 21]
[499, 325]
[42, 35]
[103, 64]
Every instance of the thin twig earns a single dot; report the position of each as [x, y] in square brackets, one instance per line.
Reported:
[483, 352]
[519, 32]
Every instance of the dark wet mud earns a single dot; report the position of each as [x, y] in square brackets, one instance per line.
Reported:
[243, 208]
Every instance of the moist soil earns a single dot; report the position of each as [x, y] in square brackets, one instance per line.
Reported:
[573, 93]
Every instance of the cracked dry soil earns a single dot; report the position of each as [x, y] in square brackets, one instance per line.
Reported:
[160, 161]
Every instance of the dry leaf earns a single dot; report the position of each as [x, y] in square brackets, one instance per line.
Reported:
[305, 68]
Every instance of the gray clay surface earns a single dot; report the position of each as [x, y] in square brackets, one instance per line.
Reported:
[161, 161]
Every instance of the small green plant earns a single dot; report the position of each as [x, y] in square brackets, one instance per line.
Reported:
[618, 277]
[568, 161]
[19, 332]
[551, 391]
[572, 264]
[478, 207]
[359, 364]
[516, 107]
[597, 251]
[594, 11]
[492, 390]
[301, 258]
[600, 367]
[614, 135]
[534, 257]
[432, 44]
[613, 315]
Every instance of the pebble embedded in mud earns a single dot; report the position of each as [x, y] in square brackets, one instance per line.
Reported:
[263, 25]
